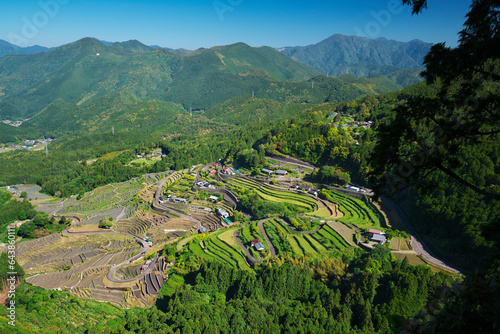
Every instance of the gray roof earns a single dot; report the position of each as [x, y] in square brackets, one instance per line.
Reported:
[280, 171]
[265, 170]
[259, 246]
[378, 237]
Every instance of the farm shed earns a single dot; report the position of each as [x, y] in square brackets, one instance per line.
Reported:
[266, 171]
[378, 238]
[281, 172]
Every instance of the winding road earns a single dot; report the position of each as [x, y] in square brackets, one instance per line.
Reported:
[417, 243]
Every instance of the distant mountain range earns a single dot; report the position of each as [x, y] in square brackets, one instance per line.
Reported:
[362, 57]
[88, 69]
[90, 86]
[401, 62]
[7, 48]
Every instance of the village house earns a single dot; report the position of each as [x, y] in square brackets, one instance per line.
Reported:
[281, 172]
[223, 213]
[257, 244]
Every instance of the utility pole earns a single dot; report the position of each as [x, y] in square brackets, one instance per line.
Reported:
[46, 150]
[113, 130]
[253, 94]
[191, 112]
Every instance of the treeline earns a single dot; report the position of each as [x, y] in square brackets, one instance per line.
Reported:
[366, 293]
[36, 224]
[359, 292]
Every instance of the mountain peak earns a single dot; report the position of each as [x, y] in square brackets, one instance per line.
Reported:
[360, 56]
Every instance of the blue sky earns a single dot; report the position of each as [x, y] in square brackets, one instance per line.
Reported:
[205, 23]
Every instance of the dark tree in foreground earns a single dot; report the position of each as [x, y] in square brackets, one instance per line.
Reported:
[437, 130]
[451, 131]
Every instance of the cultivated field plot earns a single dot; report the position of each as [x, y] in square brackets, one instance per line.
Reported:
[357, 212]
[346, 232]
[80, 263]
[114, 197]
[270, 194]
[218, 246]
[33, 192]
[294, 243]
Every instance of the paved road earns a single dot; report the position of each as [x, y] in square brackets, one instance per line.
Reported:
[418, 245]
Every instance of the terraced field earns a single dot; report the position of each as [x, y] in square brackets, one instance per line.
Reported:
[110, 197]
[80, 264]
[294, 243]
[219, 246]
[270, 194]
[356, 212]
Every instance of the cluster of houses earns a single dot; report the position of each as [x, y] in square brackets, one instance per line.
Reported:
[14, 123]
[279, 172]
[176, 199]
[29, 144]
[355, 124]
[308, 189]
[206, 184]
[149, 156]
[228, 170]
[353, 188]
[145, 265]
[223, 213]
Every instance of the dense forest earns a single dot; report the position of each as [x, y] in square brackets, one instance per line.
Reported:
[354, 292]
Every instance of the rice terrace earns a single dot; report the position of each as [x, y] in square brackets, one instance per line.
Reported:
[128, 239]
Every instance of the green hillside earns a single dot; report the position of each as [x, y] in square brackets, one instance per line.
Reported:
[88, 69]
[123, 111]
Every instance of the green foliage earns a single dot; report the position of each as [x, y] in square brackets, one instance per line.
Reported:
[105, 223]
[328, 296]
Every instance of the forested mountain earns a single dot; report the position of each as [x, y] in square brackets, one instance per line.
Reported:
[87, 69]
[7, 48]
[361, 56]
